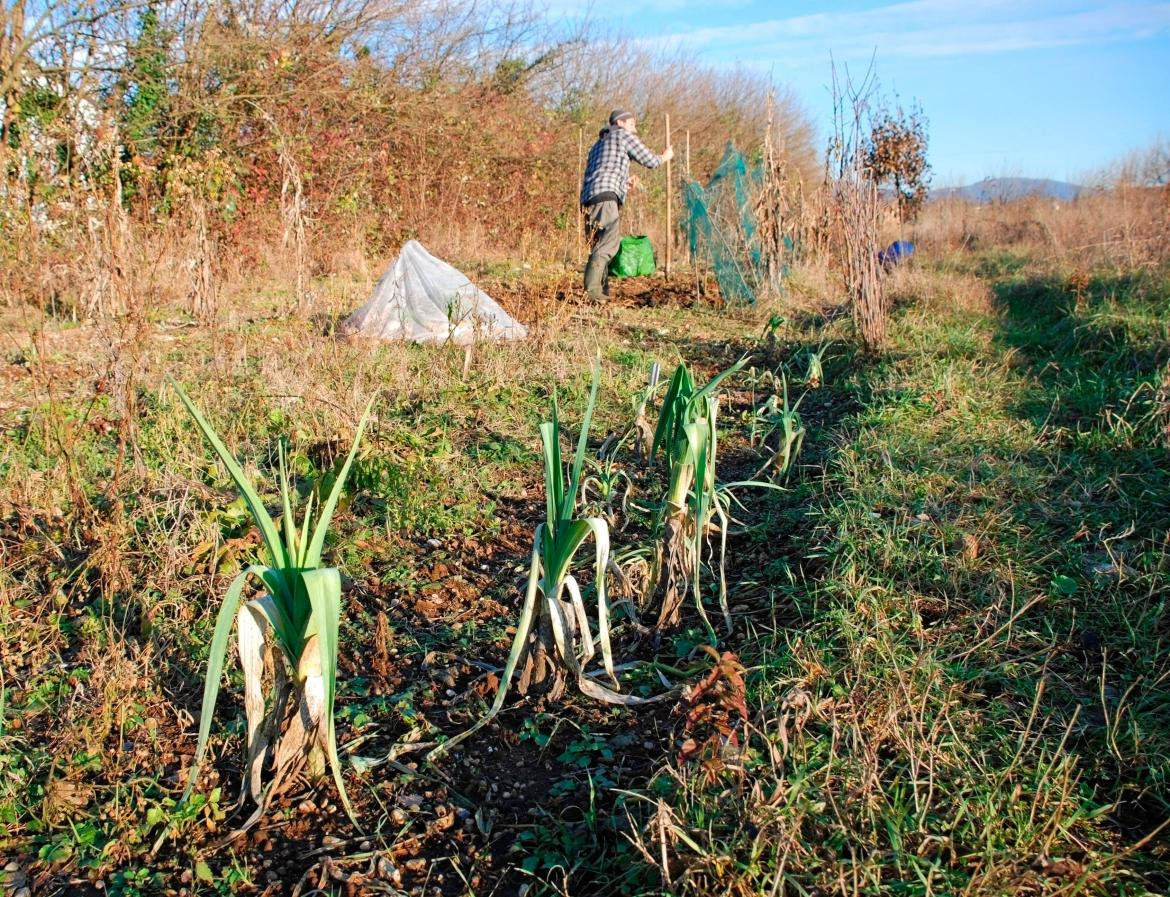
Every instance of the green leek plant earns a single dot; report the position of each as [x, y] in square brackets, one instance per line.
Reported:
[602, 490]
[644, 435]
[553, 637]
[293, 625]
[686, 434]
[814, 374]
[784, 418]
[606, 476]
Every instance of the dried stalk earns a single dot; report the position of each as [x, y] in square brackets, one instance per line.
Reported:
[855, 204]
[292, 209]
[108, 290]
[201, 291]
[777, 206]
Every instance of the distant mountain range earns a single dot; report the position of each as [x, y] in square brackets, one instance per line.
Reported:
[1004, 189]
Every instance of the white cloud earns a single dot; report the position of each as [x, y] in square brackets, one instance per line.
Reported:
[594, 10]
[924, 28]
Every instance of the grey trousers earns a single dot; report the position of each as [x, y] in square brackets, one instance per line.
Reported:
[603, 228]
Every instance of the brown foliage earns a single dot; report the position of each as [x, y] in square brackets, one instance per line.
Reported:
[896, 155]
[716, 711]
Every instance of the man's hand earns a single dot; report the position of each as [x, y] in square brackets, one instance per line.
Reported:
[633, 182]
[668, 154]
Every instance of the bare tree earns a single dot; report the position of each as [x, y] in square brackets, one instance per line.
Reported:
[61, 39]
[1148, 167]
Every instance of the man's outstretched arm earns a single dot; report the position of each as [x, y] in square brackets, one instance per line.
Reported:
[641, 154]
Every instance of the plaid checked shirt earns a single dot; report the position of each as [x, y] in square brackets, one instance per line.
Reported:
[608, 168]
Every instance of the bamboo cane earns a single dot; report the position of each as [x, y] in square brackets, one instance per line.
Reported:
[687, 175]
[580, 212]
[669, 190]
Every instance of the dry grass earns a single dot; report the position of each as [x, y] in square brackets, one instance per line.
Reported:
[1125, 226]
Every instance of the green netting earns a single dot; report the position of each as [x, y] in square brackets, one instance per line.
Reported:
[721, 227]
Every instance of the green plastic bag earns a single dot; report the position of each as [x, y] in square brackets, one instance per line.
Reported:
[635, 258]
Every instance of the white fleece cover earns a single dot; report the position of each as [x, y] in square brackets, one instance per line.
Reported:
[423, 299]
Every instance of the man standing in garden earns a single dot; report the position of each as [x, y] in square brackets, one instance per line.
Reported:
[607, 178]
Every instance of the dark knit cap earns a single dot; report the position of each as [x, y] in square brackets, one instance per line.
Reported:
[619, 115]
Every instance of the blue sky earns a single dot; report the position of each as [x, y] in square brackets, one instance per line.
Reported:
[1034, 88]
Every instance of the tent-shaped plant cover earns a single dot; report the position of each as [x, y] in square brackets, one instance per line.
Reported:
[296, 622]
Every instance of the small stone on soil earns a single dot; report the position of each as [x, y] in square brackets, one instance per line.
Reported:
[388, 871]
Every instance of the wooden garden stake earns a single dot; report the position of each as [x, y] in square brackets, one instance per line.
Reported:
[669, 190]
[687, 174]
[580, 211]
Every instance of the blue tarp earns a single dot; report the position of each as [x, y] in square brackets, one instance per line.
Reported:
[896, 253]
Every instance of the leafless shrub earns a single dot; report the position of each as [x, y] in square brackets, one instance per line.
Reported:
[856, 207]
[1146, 167]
